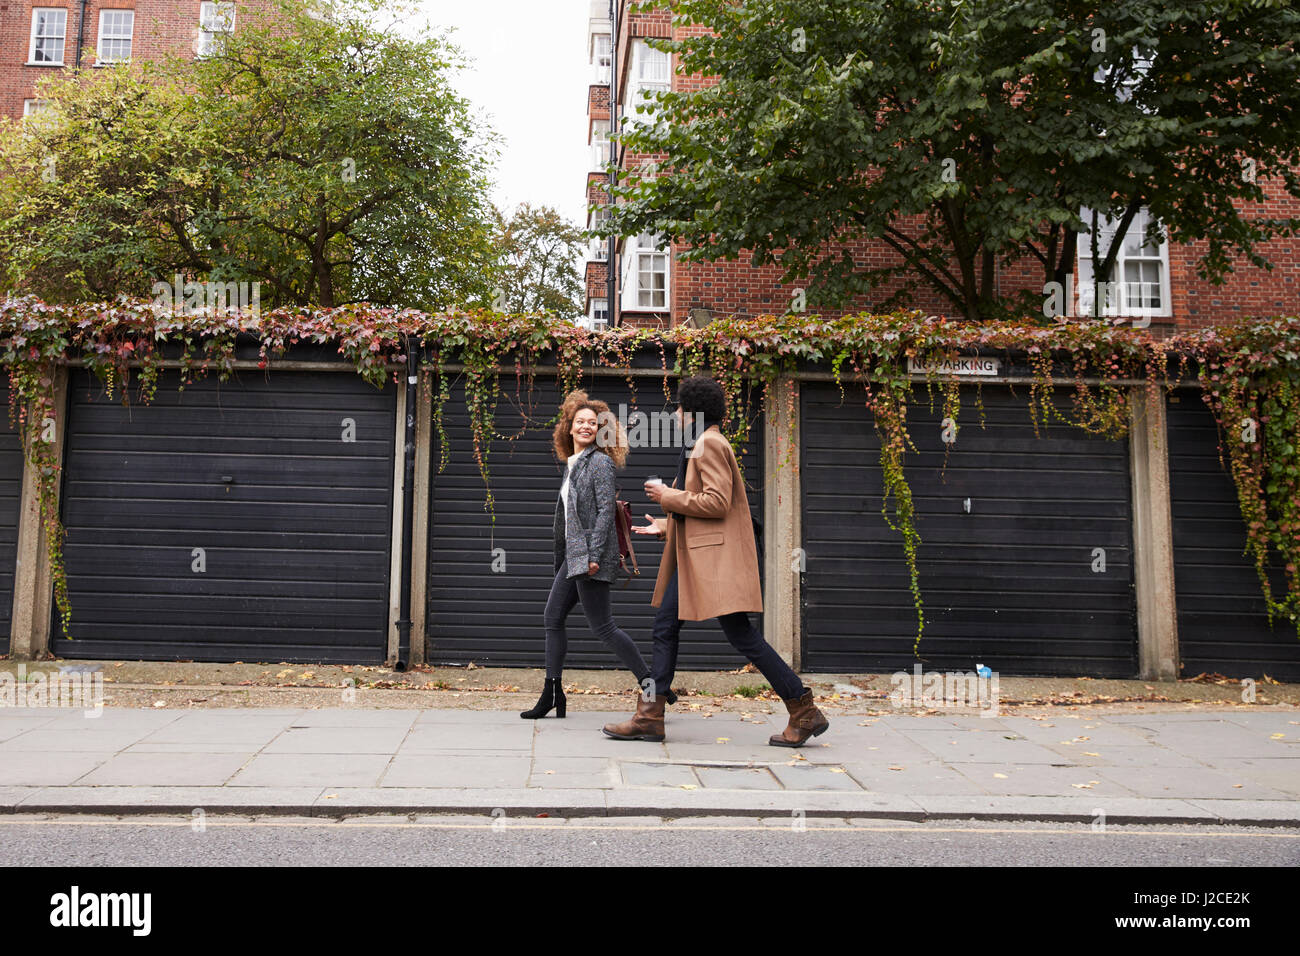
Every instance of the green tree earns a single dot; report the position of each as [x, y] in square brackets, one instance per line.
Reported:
[99, 188]
[538, 270]
[963, 134]
[317, 152]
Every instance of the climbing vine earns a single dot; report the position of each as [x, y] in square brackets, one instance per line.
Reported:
[1248, 372]
[1250, 378]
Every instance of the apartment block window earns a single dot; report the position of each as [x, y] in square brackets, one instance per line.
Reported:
[49, 31]
[655, 66]
[216, 21]
[599, 144]
[652, 279]
[599, 313]
[651, 72]
[600, 51]
[115, 29]
[1140, 279]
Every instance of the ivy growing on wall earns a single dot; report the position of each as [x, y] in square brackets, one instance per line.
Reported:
[1248, 372]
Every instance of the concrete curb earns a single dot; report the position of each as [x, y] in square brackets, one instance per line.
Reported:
[336, 803]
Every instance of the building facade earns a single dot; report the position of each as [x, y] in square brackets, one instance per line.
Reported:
[646, 286]
[38, 39]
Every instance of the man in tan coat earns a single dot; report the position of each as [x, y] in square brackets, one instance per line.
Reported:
[710, 569]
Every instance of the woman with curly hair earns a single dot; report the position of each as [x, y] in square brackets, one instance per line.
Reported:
[594, 444]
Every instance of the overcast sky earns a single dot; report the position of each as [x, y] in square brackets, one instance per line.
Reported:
[529, 77]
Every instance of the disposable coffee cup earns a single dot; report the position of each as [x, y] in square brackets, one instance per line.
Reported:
[654, 480]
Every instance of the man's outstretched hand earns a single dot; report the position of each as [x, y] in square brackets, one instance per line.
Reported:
[654, 527]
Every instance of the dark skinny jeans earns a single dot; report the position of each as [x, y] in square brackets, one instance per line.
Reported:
[565, 593]
[739, 630]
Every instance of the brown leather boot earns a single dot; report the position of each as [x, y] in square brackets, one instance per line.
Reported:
[648, 724]
[805, 721]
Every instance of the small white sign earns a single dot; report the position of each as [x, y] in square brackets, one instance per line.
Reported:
[957, 365]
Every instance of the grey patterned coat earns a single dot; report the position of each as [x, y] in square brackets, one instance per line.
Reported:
[588, 533]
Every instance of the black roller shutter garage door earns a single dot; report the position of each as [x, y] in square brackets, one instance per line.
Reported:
[495, 617]
[1222, 624]
[246, 520]
[11, 483]
[1009, 584]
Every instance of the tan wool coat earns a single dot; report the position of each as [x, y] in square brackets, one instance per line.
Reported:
[715, 559]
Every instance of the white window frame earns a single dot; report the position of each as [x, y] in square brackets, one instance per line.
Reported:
[594, 317]
[599, 144]
[32, 106]
[1121, 305]
[117, 14]
[629, 264]
[212, 15]
[61, 38]
[649, 58]
[646, 77]
[602, 47]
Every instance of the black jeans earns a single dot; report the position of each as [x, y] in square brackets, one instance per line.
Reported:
[743, 636]
[565, 593]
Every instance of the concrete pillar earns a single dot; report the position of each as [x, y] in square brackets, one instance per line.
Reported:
[783, 555]
[424, 458]
[29, 631]
[395, 534]
[1153, 537]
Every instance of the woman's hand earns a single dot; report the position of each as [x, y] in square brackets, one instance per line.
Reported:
[592, 567]
[656, 527]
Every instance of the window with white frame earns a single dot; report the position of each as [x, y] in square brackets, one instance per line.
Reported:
[115, 29]
[597, 248]
[1139, 283]
[49, 32]
[599, 313]
[643, 271]
[32, 106]
[651, 275]
[216, 22]
[655, 65]
[600, 51]
[599, 143]
[651, 72]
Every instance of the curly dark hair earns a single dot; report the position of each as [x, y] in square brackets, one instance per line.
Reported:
[699, 393]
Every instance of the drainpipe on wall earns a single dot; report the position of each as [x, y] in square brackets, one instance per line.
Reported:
[81, 33]
[611, 296]
[413, 356]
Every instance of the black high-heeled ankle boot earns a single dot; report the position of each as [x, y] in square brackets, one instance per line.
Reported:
[552, 698]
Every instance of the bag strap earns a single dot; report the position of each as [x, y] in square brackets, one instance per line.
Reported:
[622, 508]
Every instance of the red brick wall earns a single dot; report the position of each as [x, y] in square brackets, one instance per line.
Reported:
[596, 189]
[597, 281]
[161, 26]
[597, 102]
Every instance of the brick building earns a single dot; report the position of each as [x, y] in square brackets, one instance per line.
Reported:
[41, 37]
[652, 289]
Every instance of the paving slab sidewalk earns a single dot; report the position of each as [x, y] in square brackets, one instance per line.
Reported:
[1205, 767]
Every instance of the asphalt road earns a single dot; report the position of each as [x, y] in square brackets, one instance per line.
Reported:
[477, 841]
